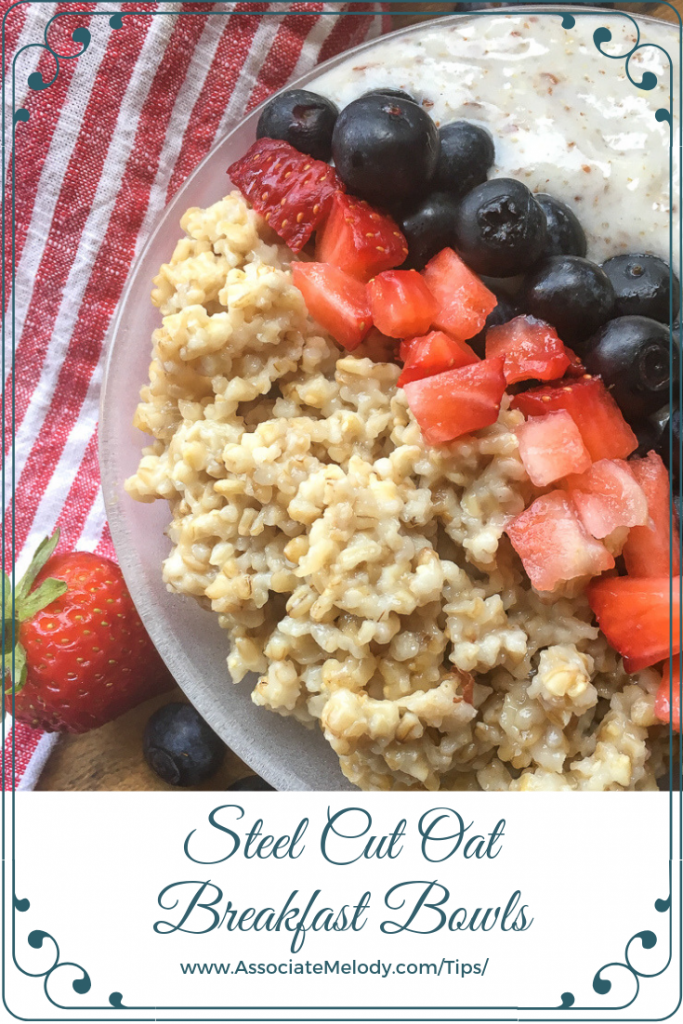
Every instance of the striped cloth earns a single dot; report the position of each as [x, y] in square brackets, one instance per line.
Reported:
[103, 150]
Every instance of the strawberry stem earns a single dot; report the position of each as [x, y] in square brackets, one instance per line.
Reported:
[20, 669]
[27, 603]
[44, 550]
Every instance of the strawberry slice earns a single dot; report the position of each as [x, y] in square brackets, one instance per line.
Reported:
[635, 616]
[653, 549]
[431, 354]
[290, 190]
[669, 694]
[531, 348]
[553, 544]
[359, 239]
[336, 300]
[550, 447]
[463, 299]
[401, 303]
[457, 401]
[605, 432]
[608, 496]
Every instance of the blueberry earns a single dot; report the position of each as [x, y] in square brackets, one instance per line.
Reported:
[650, 438]
[641, 286]
[250, 782]
[564, 234]
[503, 312]
[465, 158]
[631, 354]
[303, 119]
[385, 149]
[397, 94]
[501, 228]
[429, 227]
[180, 747]
[571, 293]
[670, 443]
[674, 460]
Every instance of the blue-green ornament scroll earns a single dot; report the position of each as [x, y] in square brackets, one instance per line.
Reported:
[602, 985]
[80, 35]
[81, 984]
[648, 81]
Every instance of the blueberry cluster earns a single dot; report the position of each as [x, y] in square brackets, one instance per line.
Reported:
[529, 248]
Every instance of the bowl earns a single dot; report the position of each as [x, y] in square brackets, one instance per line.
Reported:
[188, 638]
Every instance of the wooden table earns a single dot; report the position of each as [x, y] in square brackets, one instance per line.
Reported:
[111, 758]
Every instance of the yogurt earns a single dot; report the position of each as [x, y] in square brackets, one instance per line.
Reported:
[565, 118]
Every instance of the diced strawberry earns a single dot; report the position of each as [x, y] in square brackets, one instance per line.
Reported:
[605, 432]
[462, 352]
[336, 300]
[635, 616]
[433, 353]
[359, 239]
[653, 549]
[457, 401]
[531, 349]
[608, 496]
[669, 694]
[290, 190]
[576, 367]
[553, 544]
[550, 447]
[401, 303]
[463, 299]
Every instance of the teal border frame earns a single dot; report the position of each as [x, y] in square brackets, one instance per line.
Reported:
[81, 985]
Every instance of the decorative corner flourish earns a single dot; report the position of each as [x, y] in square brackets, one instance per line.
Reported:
[648, 940]
[36, 82]
[602, 986]
[81, 985]
[648, 81]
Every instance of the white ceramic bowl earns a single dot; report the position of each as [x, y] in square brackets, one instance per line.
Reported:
[188, 638]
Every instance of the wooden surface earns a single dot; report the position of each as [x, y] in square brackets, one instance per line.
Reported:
[111, 758]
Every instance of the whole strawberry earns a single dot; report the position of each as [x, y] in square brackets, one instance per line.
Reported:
[82, 656]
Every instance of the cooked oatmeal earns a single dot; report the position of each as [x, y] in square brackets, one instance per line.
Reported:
[363, 575]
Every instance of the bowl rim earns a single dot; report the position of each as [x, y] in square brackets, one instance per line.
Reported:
[141, 590]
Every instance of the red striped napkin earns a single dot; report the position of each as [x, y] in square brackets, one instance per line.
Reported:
[103, 150]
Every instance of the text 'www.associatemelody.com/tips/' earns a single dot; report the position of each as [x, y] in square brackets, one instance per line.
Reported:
[375, 968]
